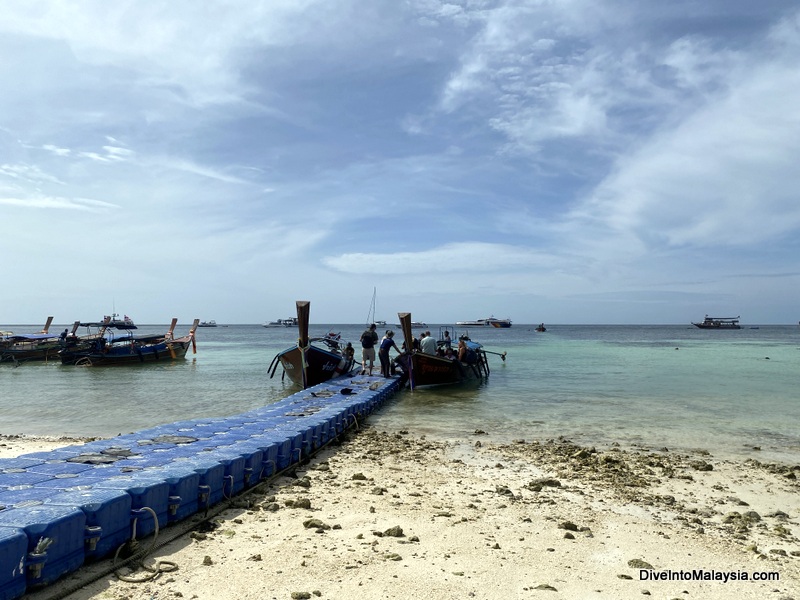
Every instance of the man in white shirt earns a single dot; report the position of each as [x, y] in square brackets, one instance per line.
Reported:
[427, 344]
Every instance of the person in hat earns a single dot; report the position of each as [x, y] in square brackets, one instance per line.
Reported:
[383, 353]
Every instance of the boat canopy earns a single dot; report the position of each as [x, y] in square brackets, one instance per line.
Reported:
[32, 336]
[146, 339]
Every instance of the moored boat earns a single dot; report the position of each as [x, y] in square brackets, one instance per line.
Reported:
[312, 360]
[466, 362]
[718, 323]
[41, 345]
[110, 349]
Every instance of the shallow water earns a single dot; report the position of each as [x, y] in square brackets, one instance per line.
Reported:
[658, 386]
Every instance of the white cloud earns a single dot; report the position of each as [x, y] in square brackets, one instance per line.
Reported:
[724, 176]
[459, 257]
[56, 150]
[40, 202]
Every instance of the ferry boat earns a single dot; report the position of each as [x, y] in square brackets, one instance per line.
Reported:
[289, 322]
[718, 323]
[488, 322]
[113, 320]
[211, 323]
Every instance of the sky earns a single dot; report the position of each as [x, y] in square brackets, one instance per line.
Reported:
[557, 161]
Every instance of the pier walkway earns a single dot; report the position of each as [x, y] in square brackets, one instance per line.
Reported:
[75, 505]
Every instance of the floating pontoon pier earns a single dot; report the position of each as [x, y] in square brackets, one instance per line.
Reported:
[75, 505]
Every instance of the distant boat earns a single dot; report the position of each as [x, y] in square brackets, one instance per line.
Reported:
[313, 360]
[414, 324]
[211, 323]
[290, 322]
[129, 349]
[541, 327]
[114, 321]
[488, 322]
[719, 323]
[371, 313]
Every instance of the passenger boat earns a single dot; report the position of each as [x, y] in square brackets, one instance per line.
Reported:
[428, 370]
[414, 324]
[41, 345]
[124, 323]
[126, 349]
[211, 323]
[719, 323]
[487, 322]
[290, 322]
[499, 323]
[541, 327]
[313, 360]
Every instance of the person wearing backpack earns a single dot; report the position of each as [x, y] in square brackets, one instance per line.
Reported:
[368, 340]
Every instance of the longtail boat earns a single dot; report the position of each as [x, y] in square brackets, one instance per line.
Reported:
[444, 368]
[312, 360]
[41, 345]
[126, 348]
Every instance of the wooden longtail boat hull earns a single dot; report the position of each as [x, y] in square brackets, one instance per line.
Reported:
[22, 352]
[320, 366]
[305, 364]
[426, 370]
[34, 346]
[129, 354]
[429, 370]
[132, 350]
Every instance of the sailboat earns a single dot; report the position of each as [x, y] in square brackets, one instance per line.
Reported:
[371, 313]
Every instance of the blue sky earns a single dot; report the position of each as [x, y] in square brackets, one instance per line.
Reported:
[564, 161]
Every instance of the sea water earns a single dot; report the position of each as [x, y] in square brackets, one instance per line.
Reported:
[730, 392]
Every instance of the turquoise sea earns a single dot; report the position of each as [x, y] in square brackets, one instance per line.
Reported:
[733, 393]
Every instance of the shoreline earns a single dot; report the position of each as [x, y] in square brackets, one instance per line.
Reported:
[393, 515]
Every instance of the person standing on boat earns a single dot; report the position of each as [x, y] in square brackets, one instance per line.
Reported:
[387, 343]
[447, 342]
[427, 344]
[368, 340]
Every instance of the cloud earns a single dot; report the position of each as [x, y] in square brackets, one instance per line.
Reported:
[463, 257]
[29, 173]
[40, 202]
[723, 175]
[56, 150]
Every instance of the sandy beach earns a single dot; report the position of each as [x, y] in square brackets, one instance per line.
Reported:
[389, 514]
